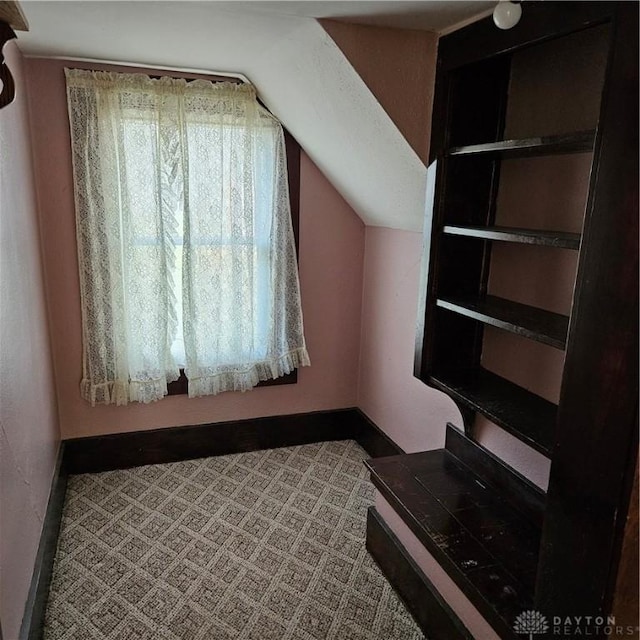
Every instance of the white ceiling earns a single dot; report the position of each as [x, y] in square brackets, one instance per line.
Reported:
[300, 73]
[430, 15]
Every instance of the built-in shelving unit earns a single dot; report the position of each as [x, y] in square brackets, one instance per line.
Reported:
[485, 175]
[530, 259]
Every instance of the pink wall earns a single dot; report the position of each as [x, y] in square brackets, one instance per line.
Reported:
[412, 414]
[331, 256]
[29, 436]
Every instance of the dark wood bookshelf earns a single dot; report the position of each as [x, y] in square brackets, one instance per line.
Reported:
[577, 142]
[522, 319]
[557, 239]
[522, 413]
[487, 547]
[591, 436]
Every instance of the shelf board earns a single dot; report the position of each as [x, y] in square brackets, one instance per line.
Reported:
[483, 543]
[524, 414]
[557, 239]
[577, 142]
[531, 322]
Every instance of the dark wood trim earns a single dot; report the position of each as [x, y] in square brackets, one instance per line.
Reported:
[372, 439]
[8, 92]
[429, 609]
[294, 152]
[588, 483]
[180, 387]
[525, 496]
[33, 619]
[124, 450]
[626, 601]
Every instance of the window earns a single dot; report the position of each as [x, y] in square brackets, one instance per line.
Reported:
[185, 243]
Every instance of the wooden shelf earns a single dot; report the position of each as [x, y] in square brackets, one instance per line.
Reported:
[557, 239]
[546, 145]
[522, 413]
[483, 543]
[537, 324]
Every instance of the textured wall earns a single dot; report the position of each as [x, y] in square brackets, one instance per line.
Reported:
[331, 256]
[28, 422]
[397, 67]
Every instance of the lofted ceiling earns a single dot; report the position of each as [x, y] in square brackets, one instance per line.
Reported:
[299, 72]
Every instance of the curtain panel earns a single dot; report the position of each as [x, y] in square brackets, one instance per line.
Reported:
[185, 245]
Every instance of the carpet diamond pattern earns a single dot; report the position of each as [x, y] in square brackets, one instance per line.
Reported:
[254, 546]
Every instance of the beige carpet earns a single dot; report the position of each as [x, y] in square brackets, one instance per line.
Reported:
[256, 546]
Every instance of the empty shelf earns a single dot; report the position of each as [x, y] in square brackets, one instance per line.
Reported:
[531, 322]
[557, 239]
[545, 145]
[522, 413]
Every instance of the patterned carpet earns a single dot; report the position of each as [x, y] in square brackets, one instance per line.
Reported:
[255, 546]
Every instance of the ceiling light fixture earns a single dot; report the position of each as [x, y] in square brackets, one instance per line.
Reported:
[507, 14]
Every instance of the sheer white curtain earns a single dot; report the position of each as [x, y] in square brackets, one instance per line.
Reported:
[185, 246]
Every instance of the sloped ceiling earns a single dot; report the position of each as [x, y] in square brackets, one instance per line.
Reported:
[299, 72]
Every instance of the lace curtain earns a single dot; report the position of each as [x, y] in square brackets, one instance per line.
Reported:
[185, 245]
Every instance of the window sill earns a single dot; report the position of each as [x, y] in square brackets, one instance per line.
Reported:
[180, 386]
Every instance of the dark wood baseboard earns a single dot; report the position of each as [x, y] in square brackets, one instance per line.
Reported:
[434, 616]
[124, 450]
[372, 439]
[33, 619]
